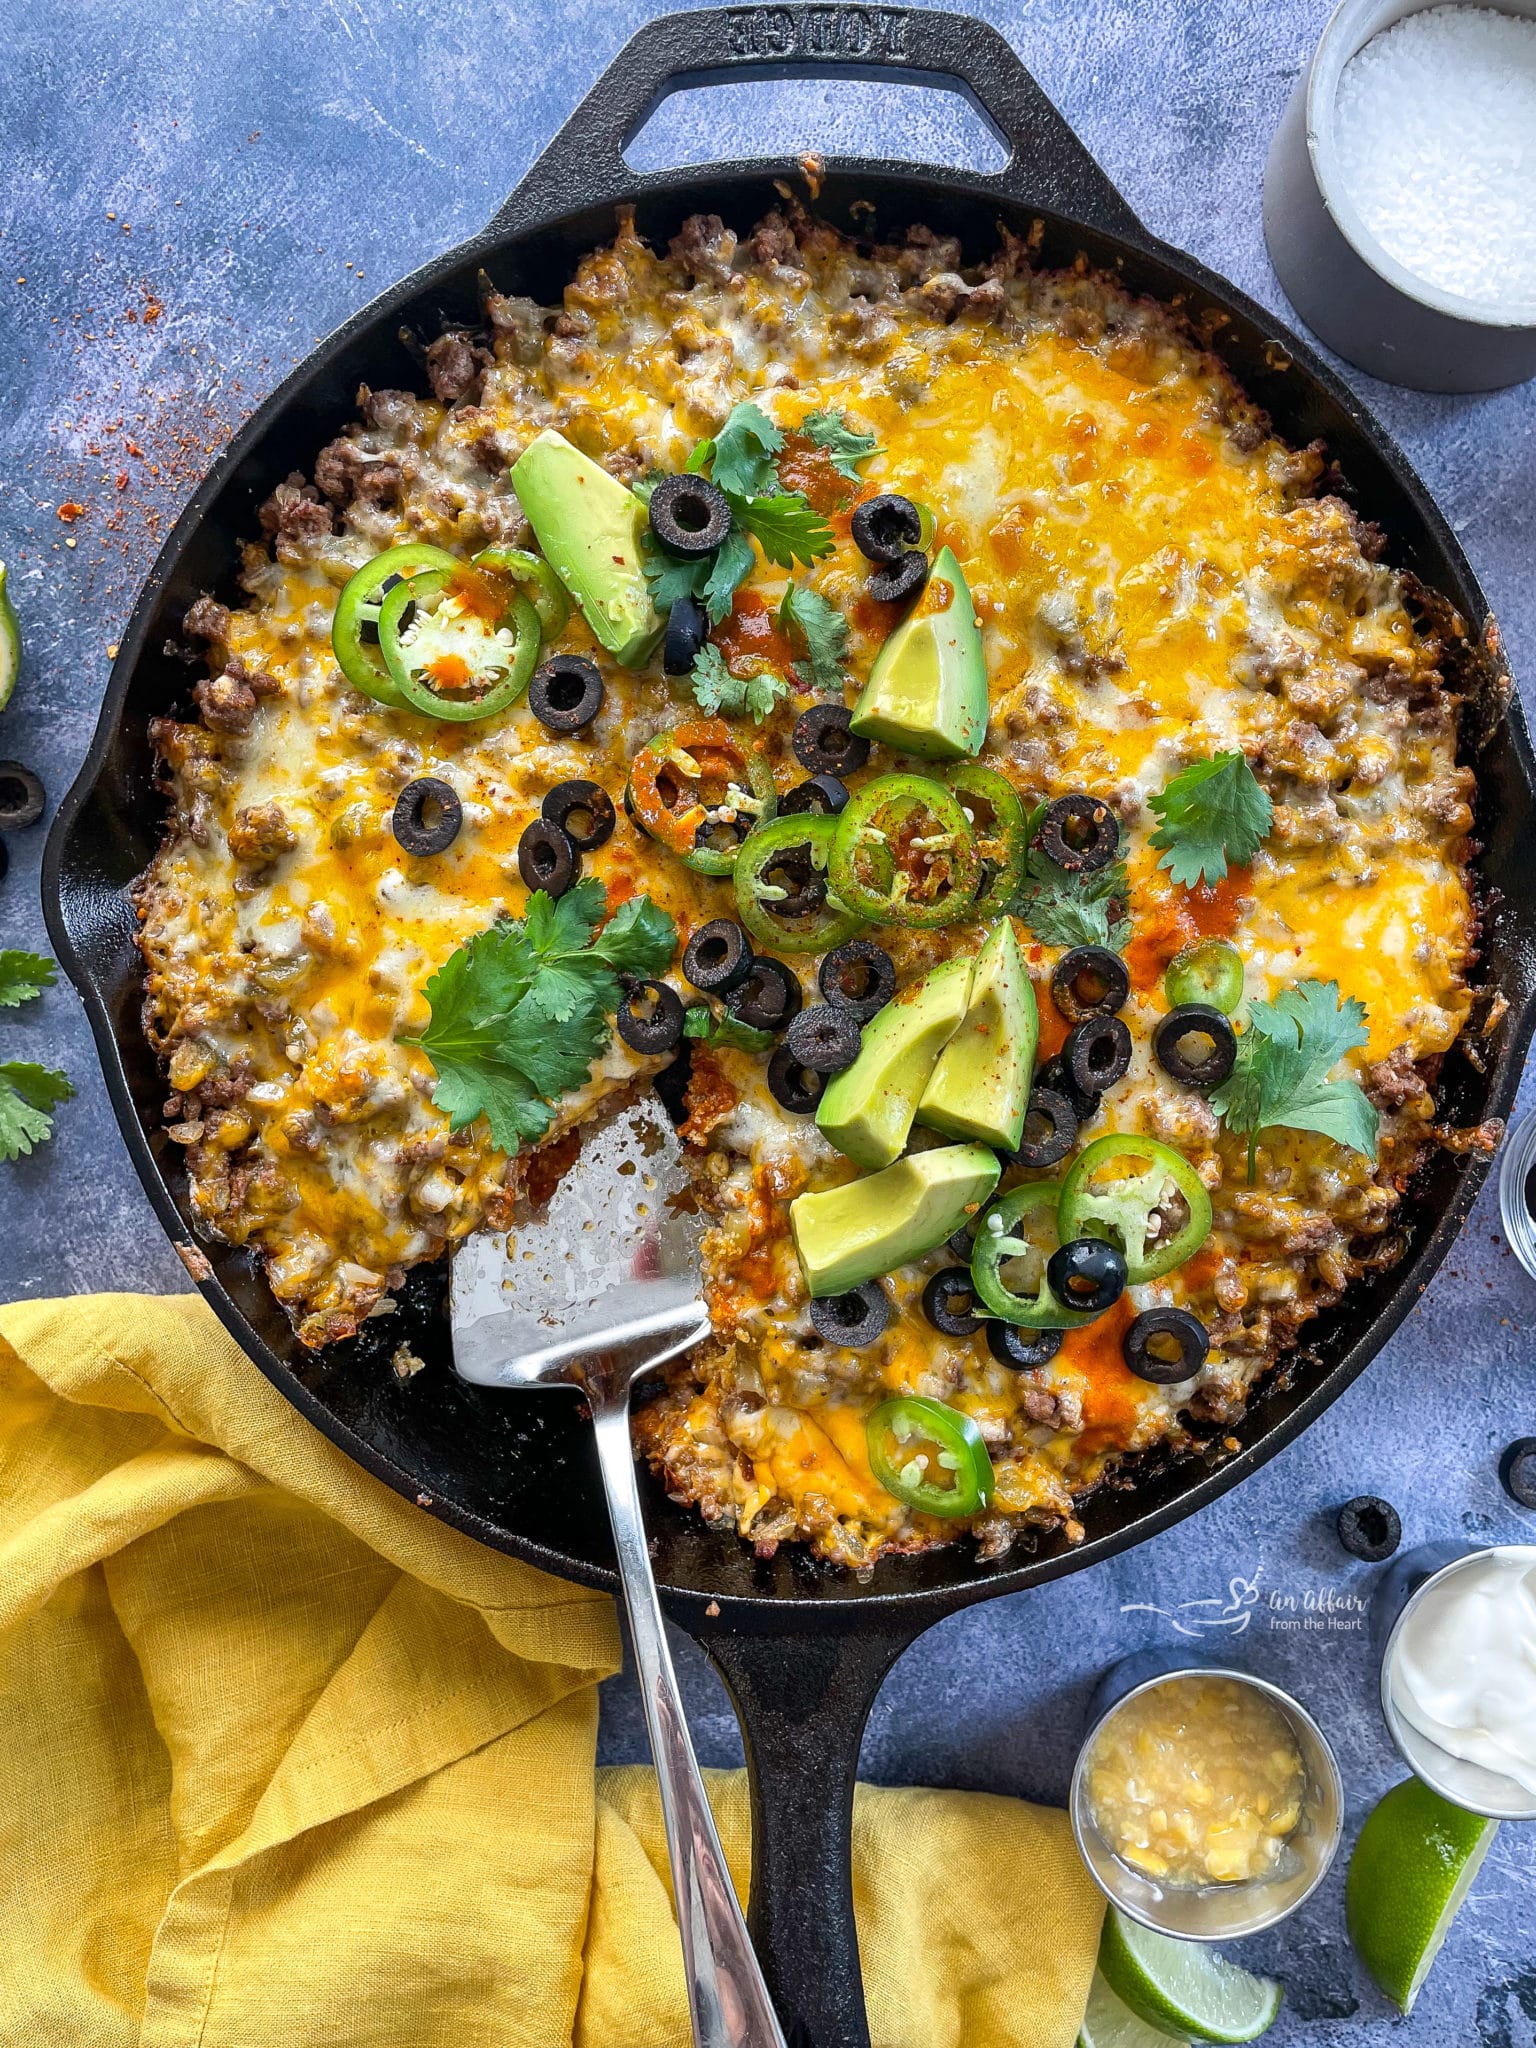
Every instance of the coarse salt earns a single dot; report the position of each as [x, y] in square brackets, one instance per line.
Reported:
[1436, 133]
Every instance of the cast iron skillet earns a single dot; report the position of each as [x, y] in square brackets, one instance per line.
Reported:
[802, 1649]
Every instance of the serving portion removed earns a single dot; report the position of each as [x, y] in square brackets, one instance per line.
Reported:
[936, 701]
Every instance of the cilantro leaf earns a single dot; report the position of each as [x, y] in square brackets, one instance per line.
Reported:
[830, 430]
[669, 579]
[1063, 908]
[1283, 1060]
[700, 1021]
[786, 527]
[825, 632]
[27, 1093]
[639, 938]
[1212, 812]
[733, 564]
[741, 455]
[718, 691]
[23, 976]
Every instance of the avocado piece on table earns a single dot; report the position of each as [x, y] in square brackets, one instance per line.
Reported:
[867, 1110]
[845, 1236]
[589, 527]
[927, 691]
[980, 1086]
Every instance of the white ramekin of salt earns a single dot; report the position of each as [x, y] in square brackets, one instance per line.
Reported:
[1400, 198]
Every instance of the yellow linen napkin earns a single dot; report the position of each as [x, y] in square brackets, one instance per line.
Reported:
[286, 1763]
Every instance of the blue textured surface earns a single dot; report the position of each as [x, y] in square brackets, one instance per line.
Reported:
[258, 172]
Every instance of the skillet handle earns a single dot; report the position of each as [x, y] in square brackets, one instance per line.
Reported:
[1047, 165]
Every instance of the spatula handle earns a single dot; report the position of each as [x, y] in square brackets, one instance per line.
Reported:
[727, 1998]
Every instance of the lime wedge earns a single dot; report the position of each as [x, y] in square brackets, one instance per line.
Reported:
[1110, 2024]
[1413, 1865]
[1182, 1987]
[10, 643]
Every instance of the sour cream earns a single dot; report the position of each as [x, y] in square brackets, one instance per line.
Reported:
[1463, 1669]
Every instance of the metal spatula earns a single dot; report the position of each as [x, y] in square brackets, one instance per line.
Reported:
[596, 1288]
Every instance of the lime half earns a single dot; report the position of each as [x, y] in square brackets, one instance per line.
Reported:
[1110, 2024]
[10, 643]
[1413, 1865]
[1182, 1987]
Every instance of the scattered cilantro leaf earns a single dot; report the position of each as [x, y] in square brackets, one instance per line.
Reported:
[1212, 812]
[1069, 909]
[27, 1093]
[23, 976]
[700, 456]
[830, 430]
[786, 527]
[825, 632]
[700, 1021]
[669, 579]
[741, 454]
[1283, 1060]
[733, 564]
[718, 691]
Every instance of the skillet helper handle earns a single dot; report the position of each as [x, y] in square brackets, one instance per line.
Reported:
[728, 2000]
[1047, 165]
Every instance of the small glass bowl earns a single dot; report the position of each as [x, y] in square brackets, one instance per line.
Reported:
[1517, 1212]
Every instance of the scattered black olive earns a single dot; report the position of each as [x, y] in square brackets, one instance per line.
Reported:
[1090, 981]
[792, 870]
[584, 813]
[566, 693]
[793, 1085]
[1517, 1470]
[1087, 1273]
[949, 1303]
[963, 1243]
[1050, 1129]
[687, 630]
[718, 957]
[427, 815]
[899, 580]
[1369, 1528]
[721, 835]
[1097, 1053]
[884, 528]
[1023, 1349]
[546, 859]
[1079, 833]
[1196, 1045]
[650, 1018]
[21, 797]
[690, 516]
[823, 743]
[1165, 1345]
[853, 1319]
[769, 996]
[823, 795]
[824, 1038]
[1055, 1075]
[860, 976]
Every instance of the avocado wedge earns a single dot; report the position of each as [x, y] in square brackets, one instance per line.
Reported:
[980, 1086]
[867, 1110]
[845, 1236]
[927, 691]
[589, 527]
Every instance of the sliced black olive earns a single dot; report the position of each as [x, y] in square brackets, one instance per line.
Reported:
[1090, 981]
[1097, 1053]
[823, 744]
[566, 693]
[1079, 833]
[1517, 1471]
[769, 996]
[824, 1038]
[427, 815]
[1369, 1528]
[1087, 1273]
[853, 1319]
[1055, 1075]
[584, 813]
[21, 797]
[949, 1302]
[1196, 1045]
[860, 976]
[1165, 1345]
[884, 528]
[1023, 1349]
[792, 870]
[687, 630]
[718, 957]
[546, 859]
[792, 1084]
[1050, 1129]
[650, 1018]
[823, 795]
[963, 1242]
[721, 835]
[690, 516]
[899, 580]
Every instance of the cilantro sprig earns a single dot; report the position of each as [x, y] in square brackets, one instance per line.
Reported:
[718, 691]
[23, 976]
[1213, 812]
[520, 1011]
[700, 1021]
[823, 630]
[1066, 907]
[1283, 1061]
[28, 1092]
[830, 430]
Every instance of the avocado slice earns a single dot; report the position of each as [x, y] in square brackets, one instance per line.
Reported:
[866, 1111]
[927, 692]
[980, 1087]
[589, 527]
[847, 1235]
